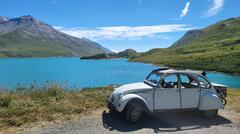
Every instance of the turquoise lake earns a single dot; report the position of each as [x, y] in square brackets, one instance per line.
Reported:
[73, 72]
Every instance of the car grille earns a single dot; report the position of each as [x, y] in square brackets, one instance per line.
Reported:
[112, 99]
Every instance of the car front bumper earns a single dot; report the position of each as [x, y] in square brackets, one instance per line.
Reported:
[109, 104]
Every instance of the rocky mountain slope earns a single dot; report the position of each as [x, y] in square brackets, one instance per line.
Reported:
[28, 37]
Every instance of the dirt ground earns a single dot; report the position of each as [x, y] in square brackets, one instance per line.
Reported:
[101, 122]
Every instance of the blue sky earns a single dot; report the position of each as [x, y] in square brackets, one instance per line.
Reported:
[122, 24]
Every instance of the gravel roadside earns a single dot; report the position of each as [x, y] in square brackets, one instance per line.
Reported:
[101, 122]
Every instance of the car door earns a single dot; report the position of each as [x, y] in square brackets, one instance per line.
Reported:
[190, 91]
[167, 95]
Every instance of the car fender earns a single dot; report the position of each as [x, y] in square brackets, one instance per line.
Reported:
[209, 101]
[127, 98]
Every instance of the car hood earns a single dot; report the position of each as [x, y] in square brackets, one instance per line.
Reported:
[218, 85]
[133, 87]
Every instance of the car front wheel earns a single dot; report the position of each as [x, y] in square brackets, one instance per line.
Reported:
[210, 113]
[134, 113]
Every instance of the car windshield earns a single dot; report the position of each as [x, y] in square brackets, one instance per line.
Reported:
[153, 78]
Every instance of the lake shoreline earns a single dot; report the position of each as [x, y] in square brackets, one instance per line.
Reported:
[235, 74]
[129, 60]
[86, 73]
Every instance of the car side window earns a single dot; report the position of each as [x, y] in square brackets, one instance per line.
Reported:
[187, 82]
[203, 82]
[170, 81]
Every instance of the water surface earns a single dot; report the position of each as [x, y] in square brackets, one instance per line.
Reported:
[74, 72]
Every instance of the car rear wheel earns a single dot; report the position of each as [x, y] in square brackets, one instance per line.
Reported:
[210, 113]
[134, 113]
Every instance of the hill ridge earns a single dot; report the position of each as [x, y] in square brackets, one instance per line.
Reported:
[214, 48]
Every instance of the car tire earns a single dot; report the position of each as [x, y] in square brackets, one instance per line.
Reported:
[112, 111]
[210, 113]
[111, 108]
[134, 113]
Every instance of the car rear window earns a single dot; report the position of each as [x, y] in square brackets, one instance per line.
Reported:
[170, 81]
[188, 82]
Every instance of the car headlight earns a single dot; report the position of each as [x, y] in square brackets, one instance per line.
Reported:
[120, 95]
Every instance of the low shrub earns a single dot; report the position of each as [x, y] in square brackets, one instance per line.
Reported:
[5, 101]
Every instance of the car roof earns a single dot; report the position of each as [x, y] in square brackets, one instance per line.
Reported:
[170, 70]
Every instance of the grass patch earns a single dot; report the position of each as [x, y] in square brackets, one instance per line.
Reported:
[28, 105]
[25, 106]
[233, 99]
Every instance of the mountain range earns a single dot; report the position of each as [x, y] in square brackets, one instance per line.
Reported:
[128, 53]
[214, 48]
[28, 37]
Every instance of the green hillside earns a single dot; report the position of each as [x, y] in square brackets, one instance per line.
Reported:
[128, 53]
[214, 48]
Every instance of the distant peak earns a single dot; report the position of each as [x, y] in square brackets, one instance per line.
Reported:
[27, 17]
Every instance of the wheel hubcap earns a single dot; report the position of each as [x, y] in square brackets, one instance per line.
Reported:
[136, 114]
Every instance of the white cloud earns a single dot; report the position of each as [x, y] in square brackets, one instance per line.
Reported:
[123, 32]
[215, 8]
[185, 10]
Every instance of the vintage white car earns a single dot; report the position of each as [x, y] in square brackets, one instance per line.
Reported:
[168, 89]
